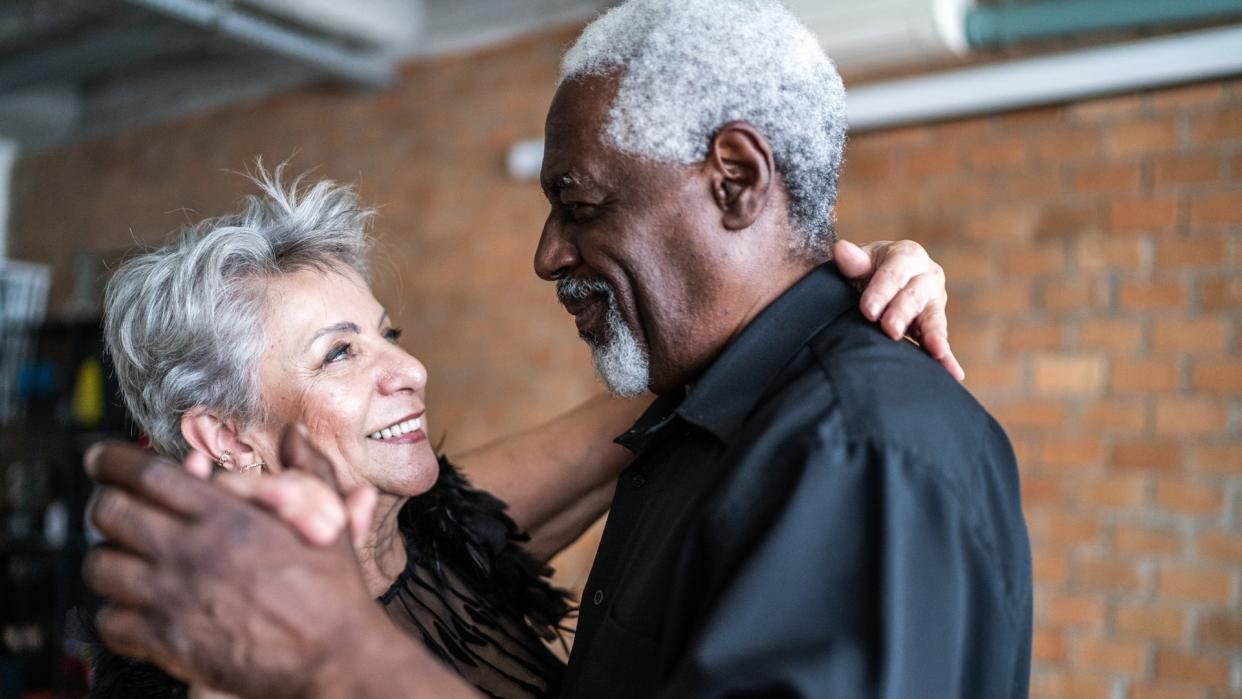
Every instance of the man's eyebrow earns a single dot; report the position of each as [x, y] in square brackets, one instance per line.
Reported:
[342, 327]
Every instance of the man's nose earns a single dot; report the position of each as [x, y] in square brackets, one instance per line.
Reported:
[556, 255]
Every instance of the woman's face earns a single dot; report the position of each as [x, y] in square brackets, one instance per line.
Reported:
[331, 361]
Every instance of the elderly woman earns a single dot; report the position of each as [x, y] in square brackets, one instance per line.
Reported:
[248, 323]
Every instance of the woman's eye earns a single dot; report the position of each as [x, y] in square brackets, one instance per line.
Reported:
[392, 335]
[337, 353]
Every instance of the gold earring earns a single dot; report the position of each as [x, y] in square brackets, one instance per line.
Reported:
[250, 467]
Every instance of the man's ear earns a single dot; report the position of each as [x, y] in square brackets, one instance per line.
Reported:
[206, 433]
[742, 169]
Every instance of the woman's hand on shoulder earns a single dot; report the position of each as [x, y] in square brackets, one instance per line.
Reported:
[905, 292]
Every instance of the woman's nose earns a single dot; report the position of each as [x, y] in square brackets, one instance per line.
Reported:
[401, 372]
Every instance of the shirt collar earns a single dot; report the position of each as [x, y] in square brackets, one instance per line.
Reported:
[731, 387]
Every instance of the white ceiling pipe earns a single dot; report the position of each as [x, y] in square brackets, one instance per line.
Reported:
[8, 156]
[1180, 58]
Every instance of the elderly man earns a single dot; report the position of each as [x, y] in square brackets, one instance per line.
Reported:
[812, 509]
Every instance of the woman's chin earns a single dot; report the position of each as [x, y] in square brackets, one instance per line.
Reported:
[404, 466]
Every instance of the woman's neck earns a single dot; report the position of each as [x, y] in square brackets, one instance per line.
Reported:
[382, 556]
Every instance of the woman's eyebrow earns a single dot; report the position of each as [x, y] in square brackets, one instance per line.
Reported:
[342, 327]
[383, 317]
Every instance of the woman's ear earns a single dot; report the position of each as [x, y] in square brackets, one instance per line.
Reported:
[741, 166]
[206, 433]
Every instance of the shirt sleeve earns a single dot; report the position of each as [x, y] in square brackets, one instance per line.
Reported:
[860, 574]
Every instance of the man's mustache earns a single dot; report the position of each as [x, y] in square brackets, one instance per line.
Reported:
[569, 289]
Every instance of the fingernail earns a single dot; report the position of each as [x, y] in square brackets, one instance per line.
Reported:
[301, 429]
[873, 310]
[324, 529]
[91, 456]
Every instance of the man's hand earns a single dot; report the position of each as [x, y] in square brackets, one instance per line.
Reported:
[217, 591]
[905, 293]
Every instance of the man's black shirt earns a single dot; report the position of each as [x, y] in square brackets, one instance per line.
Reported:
[826, 513]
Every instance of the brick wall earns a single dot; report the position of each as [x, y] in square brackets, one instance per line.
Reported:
[1094, 255]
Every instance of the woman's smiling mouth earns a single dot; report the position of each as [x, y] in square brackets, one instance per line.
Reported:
[406, 430]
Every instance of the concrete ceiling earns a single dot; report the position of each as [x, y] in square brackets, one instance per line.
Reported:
[73, 68]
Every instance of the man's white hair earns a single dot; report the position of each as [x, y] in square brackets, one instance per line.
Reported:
[686, 67]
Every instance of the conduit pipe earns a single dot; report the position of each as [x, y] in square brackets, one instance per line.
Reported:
[355, 66]
[1011, 23]
[1180, 58]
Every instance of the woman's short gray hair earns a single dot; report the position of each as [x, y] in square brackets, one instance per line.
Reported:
[687, 67]
[184, 323]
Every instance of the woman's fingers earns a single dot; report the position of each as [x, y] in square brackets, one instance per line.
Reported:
[302, 501]
[854, 262]
[933, 335]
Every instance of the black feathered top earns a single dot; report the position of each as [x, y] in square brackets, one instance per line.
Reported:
[469, 590]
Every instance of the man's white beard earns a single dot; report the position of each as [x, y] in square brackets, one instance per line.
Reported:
[620, 363]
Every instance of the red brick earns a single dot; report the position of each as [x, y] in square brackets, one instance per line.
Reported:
[1048, 566]
[1064, 685]
[1034, 260]
[1108, 574]
[1070, 295]
[933, 161]
[1032, 184]
[965, 266]
[1183, 97]
[1221, 630]
[1047, 645]
[1187, 667]
[1003, 299]
[972, 339]
[1077, 452]
[1193, 335]
[1147, 296]
[1160, 623]
[1016, 222]
[1028, 337]
[1190, 416]
[1221, 294]
[1217, 376]
[1074, 610]
[995, 375]
[1141, 137]
[1096, 254]
[1142, 540]
[1065, 219]
[1062, 145]
[1216, 208]
[1154, 456]
[1106, 108]
[1114, 416]
[1194, 584]
[1214, 545]
[1116, 656]
[1147, 375]
[1112, 491]
[1153, 214]
[1122, 335]
[871, 167]
[1186, 168]
[1176, 495]
[1068, 375]
[1107, 177]
[1221, 458]
[1030, 414]
[1165, 691]
[1041, 490]
[1193, 251]
[1223, 125]
[995, 154]
[1063, 530]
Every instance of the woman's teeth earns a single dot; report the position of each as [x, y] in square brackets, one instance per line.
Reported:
[398, 429]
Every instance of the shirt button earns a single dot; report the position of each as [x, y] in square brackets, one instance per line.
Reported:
[598, 599]
[638, 481]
